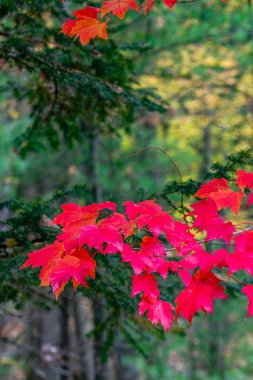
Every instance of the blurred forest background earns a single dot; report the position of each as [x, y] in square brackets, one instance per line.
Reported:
[164, 98]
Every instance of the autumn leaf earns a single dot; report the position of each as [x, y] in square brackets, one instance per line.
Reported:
[68, 26]
[162, 266]
[248, 290]
[242, 258]
[212, 186]
[203, 289]
[74, 217]
[106, 239]
[148, 207]
[158, 311]
[120, 221]
[223, 196]
[76, 267]
[118, 7]
[244, 180]
[147, 284]
[45, 255]
[207, 219]
[139, 260]
[88, 29]
[87, 26]
[152, 246]
[170, 3]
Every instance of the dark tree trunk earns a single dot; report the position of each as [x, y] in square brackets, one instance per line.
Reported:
[64, 337]
[80, 349]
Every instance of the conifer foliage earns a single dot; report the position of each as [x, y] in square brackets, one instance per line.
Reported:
[155, 244]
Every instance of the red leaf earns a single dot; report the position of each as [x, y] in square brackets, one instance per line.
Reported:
[208, 219]
[138, 260]
[212, 186]
[207, 261]
[203, 289]
[75, 215]
[156, 222]
[178, 235]
[242, 258]
[185, 276]
[162, 267]
[148, 213]
[170, 3]
[228, 198]
[152, 246]
[87, 12]
[250, 199]
[158, 312]
[244, 180]
[223, 196]
[120, 221]
[248, 290]
[76, 267]
[87, 26]
[147, 284]
[43, 256]
[118, 7]
[68, 26]
[97, 237]
[149, 207]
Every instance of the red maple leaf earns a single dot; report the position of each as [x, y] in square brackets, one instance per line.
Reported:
[162, 266]
[242, 258]
[223, 196]
[158, 311]
[203, 289]
[120, 221]
[118, 7]
[244, 180]
[45, 255]
[140, 261]
[87, 26]
[79, 14]
[170, 3]
[148, 214]
[74, 215]
[248, 290]
[250, 199]
[206, 261]
[212, 186]
[149, 207]
[207, 219]
[77, 266]
[68, 26]
[152, 246]
[147, 284]
[106, 239]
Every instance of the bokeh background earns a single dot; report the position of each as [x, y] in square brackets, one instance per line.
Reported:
[168, 95]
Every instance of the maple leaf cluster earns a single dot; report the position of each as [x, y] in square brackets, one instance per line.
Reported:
[167, 248]
[91, 22]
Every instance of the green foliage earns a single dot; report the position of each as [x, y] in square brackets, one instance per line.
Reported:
[66, 88]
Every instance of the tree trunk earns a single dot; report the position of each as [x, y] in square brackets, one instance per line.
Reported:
[64, 338]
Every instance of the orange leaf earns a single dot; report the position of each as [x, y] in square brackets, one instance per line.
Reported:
[88, 28]
[87, 25]
[118, 7]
